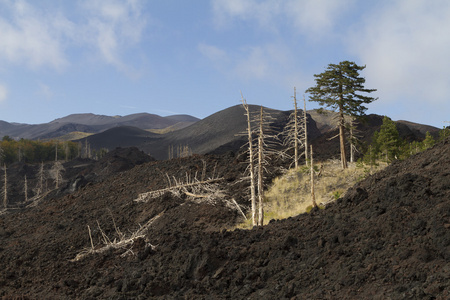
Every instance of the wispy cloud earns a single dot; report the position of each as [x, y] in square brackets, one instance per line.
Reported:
[28, 37]
[272, 58]
[405, 46]
[316, 18]
[38, 37]
[270, 62]
[313, 18]
[263, 12]
[113, 26]
[213, 53]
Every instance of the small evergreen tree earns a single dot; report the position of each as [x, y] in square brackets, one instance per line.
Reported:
[386, 142]
[428, 142]
[444, 133]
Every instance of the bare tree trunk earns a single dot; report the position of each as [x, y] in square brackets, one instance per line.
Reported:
[56, 151]
[41, 175]
[66, 151]
[25, 188]
[5, 190]
[260, 170]
[20, 153]
[305, 123]
[295, 130]
[352, 146]
[313, 196]
[251, 162]
[342, 139]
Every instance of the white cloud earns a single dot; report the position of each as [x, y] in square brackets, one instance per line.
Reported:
[405, 46]
[28, 37]
[212, 52]
[313, 18]
[261, 11]
[113, 26]
[37, 36]
[3, 93]
[316, 18]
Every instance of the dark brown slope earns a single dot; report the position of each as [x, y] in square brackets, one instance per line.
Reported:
[208, 134]
[388, 238]
[221, 132]
[123, 136]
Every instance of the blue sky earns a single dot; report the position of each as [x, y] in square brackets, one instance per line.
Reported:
[118, 57]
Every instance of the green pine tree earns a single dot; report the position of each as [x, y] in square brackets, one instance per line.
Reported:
[386, 141]
[338, 89]
[444, 133]
[428, 142]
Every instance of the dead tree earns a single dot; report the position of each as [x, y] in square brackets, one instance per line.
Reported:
[313, 195]
[25, 188]
[261, 158]
[170, 152]
[40, 189]
[305, 128]
[353, 138]
[184, 151]
[295, 133]
[267, 143]
[56, 173]
[251, 166]
[66, 151]
[20, 153]
[56, 151]
[193, 188]
[5, 189]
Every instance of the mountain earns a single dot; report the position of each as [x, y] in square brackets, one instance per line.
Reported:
[220, 132]
[123, 136]
[225, 131]
[217, 133]
[92, 123]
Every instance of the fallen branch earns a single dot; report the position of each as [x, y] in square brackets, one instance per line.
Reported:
[121, 244]
[144, 197]
[239, 208]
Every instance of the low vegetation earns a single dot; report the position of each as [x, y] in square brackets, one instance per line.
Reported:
[30, 151]
[290, 194]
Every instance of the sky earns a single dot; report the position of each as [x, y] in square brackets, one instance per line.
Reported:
[166, 57]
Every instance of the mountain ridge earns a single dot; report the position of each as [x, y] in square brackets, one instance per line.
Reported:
[91, 123]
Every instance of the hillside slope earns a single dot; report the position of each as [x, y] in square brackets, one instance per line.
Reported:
[388, 237]
[91, 123]
[221, 132]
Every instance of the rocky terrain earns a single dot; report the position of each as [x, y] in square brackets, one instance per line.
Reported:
[387, 238]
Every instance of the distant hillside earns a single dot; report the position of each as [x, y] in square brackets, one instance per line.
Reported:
[218, 133]
[123, 136]
[91, 123]
[86, 119]
[223, 131]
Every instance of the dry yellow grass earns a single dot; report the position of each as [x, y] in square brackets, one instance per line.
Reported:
[75, 135]
[290, 194]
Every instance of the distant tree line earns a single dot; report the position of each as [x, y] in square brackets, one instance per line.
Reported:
[30, 151]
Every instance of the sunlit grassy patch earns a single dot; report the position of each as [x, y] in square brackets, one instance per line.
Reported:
[290, 194]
